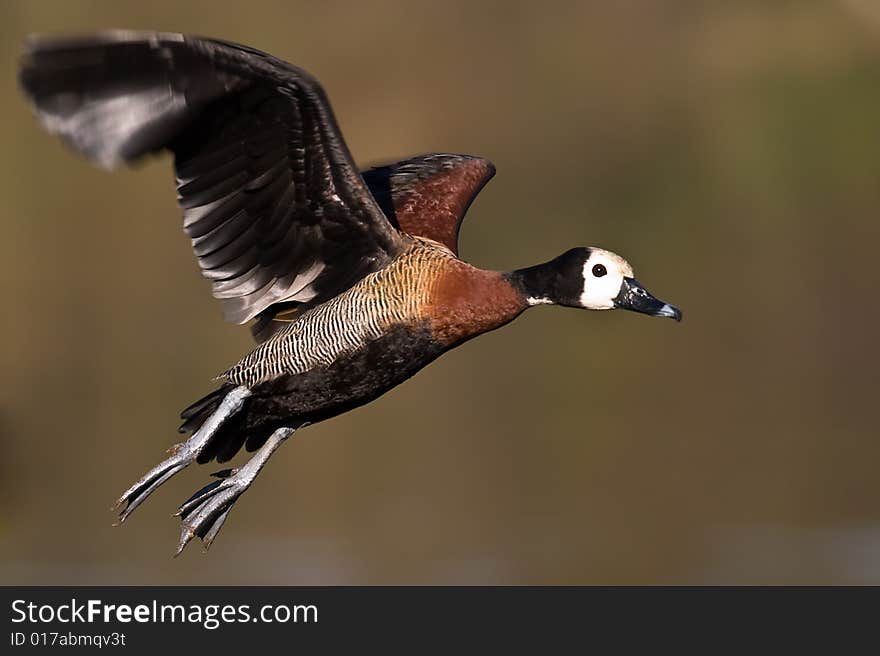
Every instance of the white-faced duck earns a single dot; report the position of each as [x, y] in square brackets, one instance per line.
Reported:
[351, 279]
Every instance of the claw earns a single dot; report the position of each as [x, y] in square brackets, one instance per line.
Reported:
[205, 513]
[208, 540]
[185, 537]
[138, 493]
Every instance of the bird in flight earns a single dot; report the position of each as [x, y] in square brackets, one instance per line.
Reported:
[350, 279]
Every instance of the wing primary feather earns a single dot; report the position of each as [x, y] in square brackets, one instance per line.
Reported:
[267, 185]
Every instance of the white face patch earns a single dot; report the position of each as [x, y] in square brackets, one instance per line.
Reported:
[604, 272]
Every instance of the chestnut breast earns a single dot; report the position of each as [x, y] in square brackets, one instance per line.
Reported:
[424, 287]
[465, 301]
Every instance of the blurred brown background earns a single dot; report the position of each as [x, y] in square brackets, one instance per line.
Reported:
[730, 150]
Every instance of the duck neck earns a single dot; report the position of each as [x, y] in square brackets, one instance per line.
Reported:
[547, 283]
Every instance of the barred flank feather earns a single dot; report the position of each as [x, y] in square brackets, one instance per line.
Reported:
[195, 414]
[342, 325]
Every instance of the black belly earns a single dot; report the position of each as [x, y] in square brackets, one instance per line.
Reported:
[349, 382]
[310, 397]
[313, 396]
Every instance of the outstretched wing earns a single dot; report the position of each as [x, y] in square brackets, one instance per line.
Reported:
[428, 195]
[272, 201]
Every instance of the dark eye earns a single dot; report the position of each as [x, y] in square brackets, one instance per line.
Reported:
[599, 270]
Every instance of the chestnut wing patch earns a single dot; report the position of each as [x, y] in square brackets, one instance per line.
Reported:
[428, 195]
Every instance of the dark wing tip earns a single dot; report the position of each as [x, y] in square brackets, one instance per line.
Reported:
[42, 51]
[484, 165]
[232, 115]
[47, 41]
[418, 168]
[114, 95]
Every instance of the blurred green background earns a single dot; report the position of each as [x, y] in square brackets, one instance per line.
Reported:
[729, 150]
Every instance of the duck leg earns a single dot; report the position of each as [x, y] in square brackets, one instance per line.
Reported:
[204, 513]
[181, 454]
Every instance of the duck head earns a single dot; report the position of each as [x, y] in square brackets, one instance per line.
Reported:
[590, 278]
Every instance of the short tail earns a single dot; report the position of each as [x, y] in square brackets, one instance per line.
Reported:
[237, 431]
[196, 414]
[229, 436]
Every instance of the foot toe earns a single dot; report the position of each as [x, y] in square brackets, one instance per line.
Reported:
[138, 493]
[205, 512]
